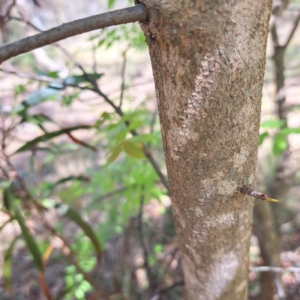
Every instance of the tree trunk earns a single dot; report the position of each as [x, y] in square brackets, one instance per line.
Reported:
[208, 61]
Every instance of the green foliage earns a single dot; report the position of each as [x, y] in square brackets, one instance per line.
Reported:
[278, 133]
[111, 3]
[113, 188]
[7, 265]
[29, 240]
[127, 36]
[113, 185]
[76, 286]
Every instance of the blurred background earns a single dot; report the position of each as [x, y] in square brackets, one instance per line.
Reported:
[85, 209]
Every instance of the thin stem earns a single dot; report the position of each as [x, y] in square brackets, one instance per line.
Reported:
[168, 288]
[32, 76]
[142, 241]
[123, 78]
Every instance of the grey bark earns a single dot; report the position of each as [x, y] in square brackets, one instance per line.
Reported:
[208, 61]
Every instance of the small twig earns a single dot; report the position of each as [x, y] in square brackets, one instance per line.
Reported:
[130, 86]
[167, 289]
[142, 241]
[113, 193]
[123, 78]
[89, 78]
[32, 76]
[251, 192]
[275, 269]
[4, 17]
[24, 21]
[121, 16]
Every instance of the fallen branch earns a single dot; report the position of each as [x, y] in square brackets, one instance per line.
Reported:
[122, 16]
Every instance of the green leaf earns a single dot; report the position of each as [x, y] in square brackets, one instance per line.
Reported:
[53, 74]
[121, 136]
[47, 187]
[262, 137]
[36, 119]
[8, 198]
[76, 79]
[30, 241]
[272, 124]
[20, 89]
[70, 178]
[135, 124]
[279, 144]
[117, 150]
[110, 3]
[287, 131]
[7, 265]
[133, 150]
[49, 136]
[142, 138]
[106, 116]
[35, 98]
[158, 248]
[65, 210]
[68, 99]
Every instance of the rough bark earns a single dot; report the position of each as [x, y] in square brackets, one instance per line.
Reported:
[208, 62]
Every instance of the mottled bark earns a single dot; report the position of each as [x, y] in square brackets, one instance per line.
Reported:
[208, 62]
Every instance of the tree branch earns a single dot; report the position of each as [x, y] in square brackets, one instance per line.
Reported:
[121, 16]
[295, 25]
[32, 76]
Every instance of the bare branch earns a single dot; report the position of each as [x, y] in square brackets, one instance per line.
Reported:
[274, 35]
[295, 25]
[32, 76]
[121, 16]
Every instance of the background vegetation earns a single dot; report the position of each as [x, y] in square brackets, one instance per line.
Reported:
[85, 207]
